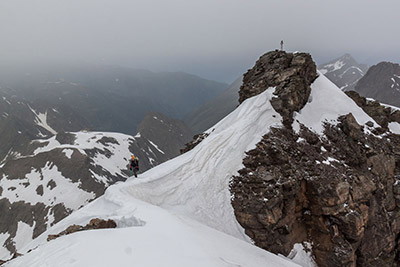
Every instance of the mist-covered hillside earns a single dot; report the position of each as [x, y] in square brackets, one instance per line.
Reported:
[213, 111]
[109, 98]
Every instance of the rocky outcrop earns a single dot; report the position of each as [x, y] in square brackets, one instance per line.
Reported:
[196, 140]
[290, 74]
[93, 224]
[381, 114]
[340, 193]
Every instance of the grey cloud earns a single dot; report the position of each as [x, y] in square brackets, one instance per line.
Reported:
[218, 39]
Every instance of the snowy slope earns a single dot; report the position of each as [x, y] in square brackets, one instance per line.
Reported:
[40, 188]
[172, 209]
[179, 213]
[326, 103]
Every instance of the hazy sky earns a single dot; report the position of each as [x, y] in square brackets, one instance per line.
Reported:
[216, 39]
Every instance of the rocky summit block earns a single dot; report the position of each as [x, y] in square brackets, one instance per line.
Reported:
[338, 190]
[290, 74]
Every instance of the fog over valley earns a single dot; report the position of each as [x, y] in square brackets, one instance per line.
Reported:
[218, 40]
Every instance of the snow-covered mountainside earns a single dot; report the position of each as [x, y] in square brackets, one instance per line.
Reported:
[345, 72]
[110, 98]
[45, 158]
[297, 164]
[36, 187]
[179, 210]
[382, 83]
[58, 176]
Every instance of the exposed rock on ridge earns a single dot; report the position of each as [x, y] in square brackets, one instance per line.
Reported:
[95, 223]
[340, 191]
[381, 114]
[291, 74]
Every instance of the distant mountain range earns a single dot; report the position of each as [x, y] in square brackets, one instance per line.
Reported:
[109, 98]
[51, 160]
[216, 109]
[344, 72]
[299, 168]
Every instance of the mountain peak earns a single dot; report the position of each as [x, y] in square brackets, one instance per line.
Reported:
[344, 71]
[290, 73]
[381, 82]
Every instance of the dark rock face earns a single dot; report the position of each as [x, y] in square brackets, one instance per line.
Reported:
[159, 139]
[339, 192]
[291, 74]
[192, 144]
[382, 83]
[381, 114]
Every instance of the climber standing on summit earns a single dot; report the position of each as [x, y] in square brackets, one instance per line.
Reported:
[134, 165]
[281, 45]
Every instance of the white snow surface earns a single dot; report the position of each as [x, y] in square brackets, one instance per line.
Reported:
[91, 140]
[394, 127]
[302, 255]
[326, 103]
[41, 120]
[159, 150]
[179, 210]
[4, 253]
[332, 67]
[66, 192]
[23, 231]
[68, 152]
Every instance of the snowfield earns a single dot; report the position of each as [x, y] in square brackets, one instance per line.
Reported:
[179, 213]
[326, 103]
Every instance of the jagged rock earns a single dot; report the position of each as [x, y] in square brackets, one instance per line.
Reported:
[344, 200]
[290, 74]
[93, 224]
[381, 114]
[192, 144]
[339, 191]
[350, 127]
[65, 138]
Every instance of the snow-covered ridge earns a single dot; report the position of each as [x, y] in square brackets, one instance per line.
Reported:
[175, 208]
[326, 104]
[181, 208]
